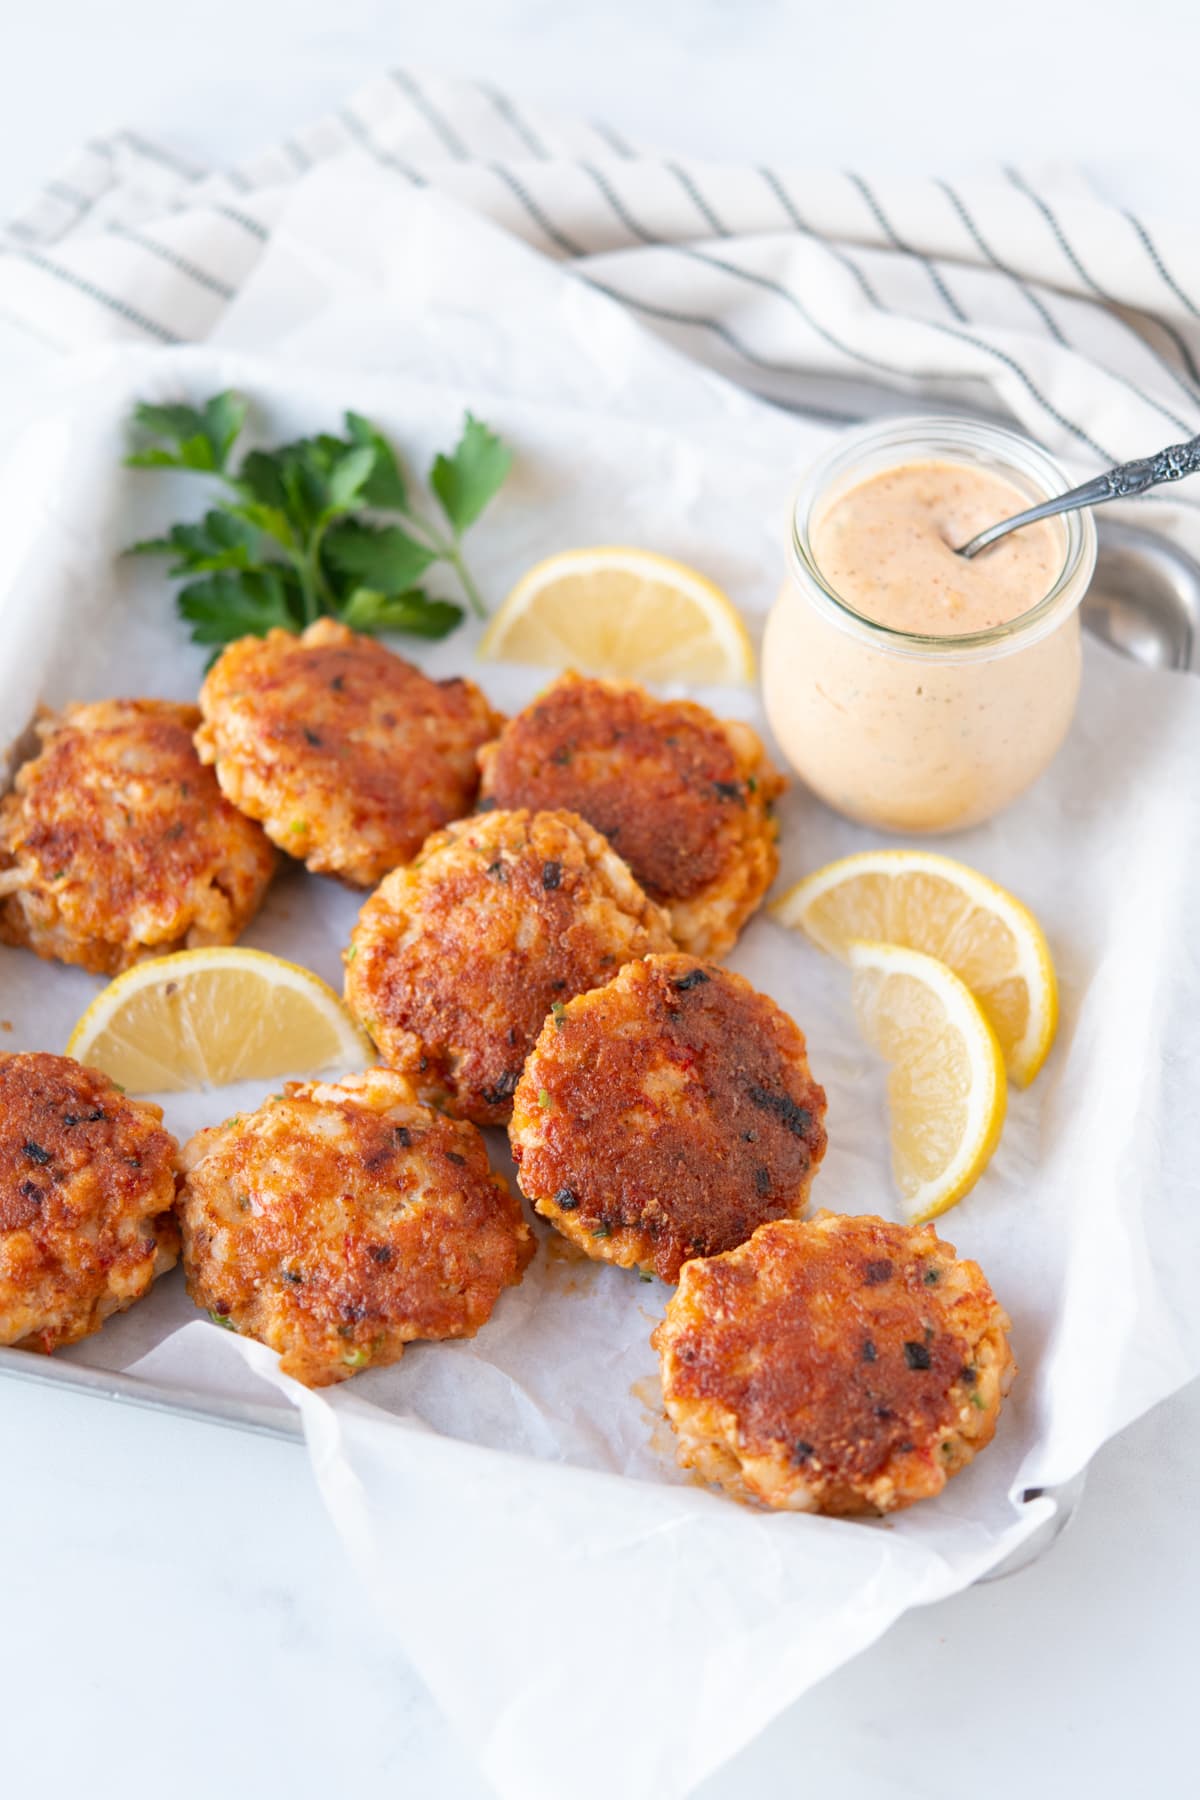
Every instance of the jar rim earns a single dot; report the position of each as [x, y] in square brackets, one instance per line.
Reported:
[926, 437]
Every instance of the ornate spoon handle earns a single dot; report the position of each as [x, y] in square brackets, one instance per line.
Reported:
[1171, 464]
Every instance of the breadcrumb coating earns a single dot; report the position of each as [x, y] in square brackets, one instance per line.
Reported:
[341, 1220]
[457, 961]
[348, 755]
[667, 1115]
[116, 843]
[843, 1365]
[686, 798]
[87, 1182]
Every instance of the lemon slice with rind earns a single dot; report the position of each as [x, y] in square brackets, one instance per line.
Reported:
[625, 613]
[932, 903]
[205, 1018]
[946, 1084]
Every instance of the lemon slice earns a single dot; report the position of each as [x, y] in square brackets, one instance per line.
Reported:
[625, 613]
[931, 903]
[946, 1087]
[207, 1017]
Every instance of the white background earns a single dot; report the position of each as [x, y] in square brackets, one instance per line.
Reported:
[177, 1617]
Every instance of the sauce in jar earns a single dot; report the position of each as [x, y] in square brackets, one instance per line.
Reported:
[886, 547]
[910, 688]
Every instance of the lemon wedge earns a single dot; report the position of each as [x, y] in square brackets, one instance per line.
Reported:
[624, 613]
[947, 1091]
[931, 903]
[207, 1017]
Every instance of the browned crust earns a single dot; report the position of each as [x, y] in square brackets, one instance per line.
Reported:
[683, 796]
[347, 754]
[841, 1365]
[116, 842]
[456, 962]
[667, 1115]
[339, 1222]
[87, 1180]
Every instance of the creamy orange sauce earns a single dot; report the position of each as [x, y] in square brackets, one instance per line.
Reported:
[887, 548]
[912, 742]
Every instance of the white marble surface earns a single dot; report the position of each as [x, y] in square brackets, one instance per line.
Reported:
[178, 1617]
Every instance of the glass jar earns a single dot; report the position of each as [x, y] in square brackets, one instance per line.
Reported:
[912, 733]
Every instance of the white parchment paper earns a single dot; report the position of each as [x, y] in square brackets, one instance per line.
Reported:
[592, 1622]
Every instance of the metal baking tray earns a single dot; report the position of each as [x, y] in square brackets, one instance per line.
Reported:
[1145, 603]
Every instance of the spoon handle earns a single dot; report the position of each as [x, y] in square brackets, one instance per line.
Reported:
[1171, 464]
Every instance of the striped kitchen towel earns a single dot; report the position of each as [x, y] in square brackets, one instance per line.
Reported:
[817, 289]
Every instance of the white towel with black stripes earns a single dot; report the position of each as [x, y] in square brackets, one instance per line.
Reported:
[817, 289]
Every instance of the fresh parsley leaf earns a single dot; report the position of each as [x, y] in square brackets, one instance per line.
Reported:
[347, 476]
[269, 519]
[169, 421]
[224, 416]
[414, 612]
[385, 487]
[287, 544]
[202, 440]
[473, 475]
[192, 453]
[260, 477]
[302, 473]
[221, 540]
[383, 557]
[248, 604]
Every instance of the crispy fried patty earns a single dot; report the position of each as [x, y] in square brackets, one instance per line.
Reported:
[456, 962]
[87, 1181]
[667, 1115]
[683, 796]
[116, 844]
[342, 1220]
[348, 755]
[844, 1365]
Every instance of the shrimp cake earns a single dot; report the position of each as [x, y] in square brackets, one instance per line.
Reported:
[844, 1365]
[686, 798]
[116, 843]
[456, 963]
[347, 754]
[87, 1183]
[342, 1220]
[667, 1115]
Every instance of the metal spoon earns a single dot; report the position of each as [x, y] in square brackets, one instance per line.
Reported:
[1128, 478]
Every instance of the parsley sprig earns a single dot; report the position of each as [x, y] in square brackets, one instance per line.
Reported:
[297, 532]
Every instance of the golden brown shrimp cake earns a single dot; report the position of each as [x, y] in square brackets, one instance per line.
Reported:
[116, 843]
[843, 1365]
[87, 1182]
[347, 754]
[342, 1220]
[667, 1115]
[683, 796]
[456, 962]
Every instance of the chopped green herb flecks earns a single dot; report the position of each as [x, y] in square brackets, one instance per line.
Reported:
[978, 1402]
[601, 1231]
[355, 1359]
[544, 1100]
[222, 1319]
[559, 1012]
